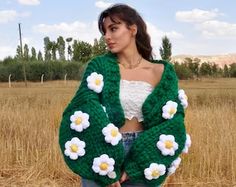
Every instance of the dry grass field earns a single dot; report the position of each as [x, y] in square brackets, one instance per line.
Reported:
[30, 119]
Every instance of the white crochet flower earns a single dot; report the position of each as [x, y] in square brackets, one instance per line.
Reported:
[167, 145]
[154, 171]
[188, 143]
[74, 148]
[112, 134]
[174, 165]
[103, 165]
[95, 82]
[79, 121]
[112, 175]
[169, 110]
[183, 98]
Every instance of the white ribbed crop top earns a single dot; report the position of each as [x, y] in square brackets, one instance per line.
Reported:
[132, 96]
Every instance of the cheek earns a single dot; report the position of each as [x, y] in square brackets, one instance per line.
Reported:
[123, 34]
[123, 37]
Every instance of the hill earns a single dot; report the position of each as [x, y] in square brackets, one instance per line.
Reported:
[221, 60]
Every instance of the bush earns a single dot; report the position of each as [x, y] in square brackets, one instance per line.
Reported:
[16, 71]
[3, 73]
[74, 70]
[54, 70]
[35, 71]
[182, 71]
[232, 70]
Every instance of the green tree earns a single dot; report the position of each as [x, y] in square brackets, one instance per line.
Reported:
[18, 52]
[8, 61]
[205, 69]
[95, 49]
[232, 70]
[165, 50]
[226, 71]
[33, 54]
[195, 66]
[54, 50]
[61, 47]
[69, 49]
[214, 69]
[40, 56]
[26, 52]
[220, 72]
[47, 49]
[82, 51]
[99, 47]
[182, 71]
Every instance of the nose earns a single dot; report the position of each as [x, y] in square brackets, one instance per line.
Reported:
[107, 37]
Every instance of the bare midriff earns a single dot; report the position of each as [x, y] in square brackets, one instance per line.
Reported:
[131, 126]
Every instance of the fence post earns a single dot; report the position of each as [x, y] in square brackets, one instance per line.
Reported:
[65, 78]
[42, 78]
[9, 81]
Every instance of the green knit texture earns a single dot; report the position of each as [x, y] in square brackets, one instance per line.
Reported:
[143, 151]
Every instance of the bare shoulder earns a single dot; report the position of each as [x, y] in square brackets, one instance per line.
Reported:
[158, 68]
[156, 71]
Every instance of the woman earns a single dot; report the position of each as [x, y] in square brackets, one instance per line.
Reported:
[125, 124]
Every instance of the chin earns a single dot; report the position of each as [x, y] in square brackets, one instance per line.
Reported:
[114, 50]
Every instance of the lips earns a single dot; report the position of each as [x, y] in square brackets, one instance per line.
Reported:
[110, 45]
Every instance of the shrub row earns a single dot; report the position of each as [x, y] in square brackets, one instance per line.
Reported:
[54, 70]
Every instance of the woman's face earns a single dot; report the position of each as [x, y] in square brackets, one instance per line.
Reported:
[117, 36]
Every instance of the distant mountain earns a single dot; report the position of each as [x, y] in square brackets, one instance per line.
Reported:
[221, 60]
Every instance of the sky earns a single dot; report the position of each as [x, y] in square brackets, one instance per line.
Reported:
[194, 27]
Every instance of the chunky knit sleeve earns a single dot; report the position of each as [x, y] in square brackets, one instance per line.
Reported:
[158, 147]
[89, 142]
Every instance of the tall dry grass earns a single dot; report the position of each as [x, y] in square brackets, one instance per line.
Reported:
[30, 118]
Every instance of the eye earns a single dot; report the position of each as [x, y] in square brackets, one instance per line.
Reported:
[113, 29]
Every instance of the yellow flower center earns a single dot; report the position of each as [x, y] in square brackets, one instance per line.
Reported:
[186, 97]
[74, 148]
[114, 132]
[172, 111]
[78, 121]
[97, 82]
[168, 144]
[155, 173]
[103, 166]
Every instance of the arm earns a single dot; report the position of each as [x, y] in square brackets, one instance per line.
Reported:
[100, 160]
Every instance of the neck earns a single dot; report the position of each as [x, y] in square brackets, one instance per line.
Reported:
[129, 58]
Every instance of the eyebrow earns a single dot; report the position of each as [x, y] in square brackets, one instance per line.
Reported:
[111, 25]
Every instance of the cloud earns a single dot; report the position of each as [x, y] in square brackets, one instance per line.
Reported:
[78, 30]
[205, 22]
[102, 4]
[217, 29]
[11, 15]
[29, 2]
[197, 15]
[6, 51]
[7, 16]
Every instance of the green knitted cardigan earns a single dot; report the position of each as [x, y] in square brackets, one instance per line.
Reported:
[143, 151]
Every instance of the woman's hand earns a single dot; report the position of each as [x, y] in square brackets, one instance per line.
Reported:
[124, 177]
[116, 184]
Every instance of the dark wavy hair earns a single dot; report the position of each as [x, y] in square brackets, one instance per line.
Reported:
[130, 16]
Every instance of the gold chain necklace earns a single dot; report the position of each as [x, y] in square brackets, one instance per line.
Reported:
[130, 66]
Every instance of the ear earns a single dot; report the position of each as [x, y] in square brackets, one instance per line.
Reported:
[133, 28]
